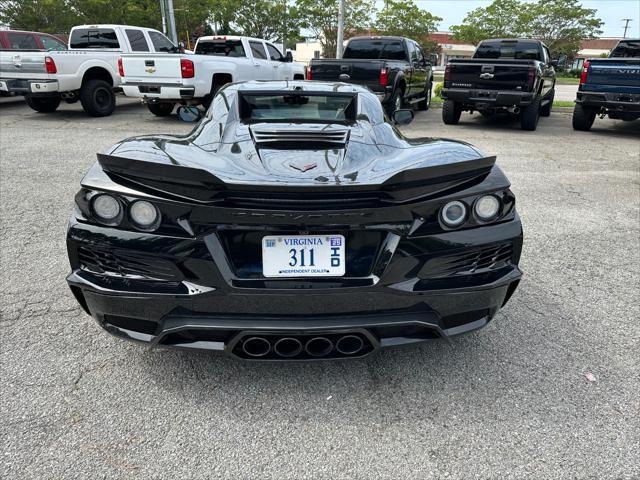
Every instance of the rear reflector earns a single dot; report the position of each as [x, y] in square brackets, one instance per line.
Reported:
[308, 73]
[585, 72]
[384, 77]
[50, 65]
[447, 74]
[186, 68]
[120, 68]
[531, 76]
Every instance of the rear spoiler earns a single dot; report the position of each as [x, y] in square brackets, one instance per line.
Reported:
[199, 185]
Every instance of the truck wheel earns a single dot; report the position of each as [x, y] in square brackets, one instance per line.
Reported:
[43, 104]
[161, 109]
[395, 103]
[530, 115]
[97, 98]
[546, 110]
[583, 117]
[424, 104]
[451, 112]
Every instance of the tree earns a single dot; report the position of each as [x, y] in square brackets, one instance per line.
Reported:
[50, 16]
[321, 18]
[403, 18]
[267, 19]
[561, 24]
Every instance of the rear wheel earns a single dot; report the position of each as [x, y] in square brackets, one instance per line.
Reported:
[546, 110]
[43, 104]
[424, 104]
[395, 103]
[161, 109]
[97, 98]
[451, 112]
[530, 115]
[583, 117]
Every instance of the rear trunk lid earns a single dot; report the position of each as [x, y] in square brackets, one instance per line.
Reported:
[613, 74]
[360, 71]
[152, 68]
[23, 65]
[491, 75]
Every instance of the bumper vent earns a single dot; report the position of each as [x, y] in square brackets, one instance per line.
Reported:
[324, 135]
[478, 261]
[126, 265]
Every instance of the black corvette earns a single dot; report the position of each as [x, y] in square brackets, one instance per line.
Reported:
[295, 222]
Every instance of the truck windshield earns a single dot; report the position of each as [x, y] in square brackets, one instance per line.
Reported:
[298, 107]
[221, 48]
[626, 49]
[515, 50]
[380, 49]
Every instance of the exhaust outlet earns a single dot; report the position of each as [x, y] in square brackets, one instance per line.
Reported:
[256, 346]
[349, 345]
[318, 347]
[287, 347]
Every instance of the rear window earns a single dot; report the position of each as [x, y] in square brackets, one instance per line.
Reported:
[161, 43]
[94, 38]
[51, 43]
[515, 50]
[627, 49]
[137, 41]
[21, 41]
[298, 107]
[375, 49]
[220, 48]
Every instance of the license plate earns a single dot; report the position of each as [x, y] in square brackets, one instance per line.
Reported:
[303, 256]
[3, 86]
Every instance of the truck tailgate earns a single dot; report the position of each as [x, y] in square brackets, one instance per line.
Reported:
[360, 71]
[23, 65]
[152, 68]
[490, 75]
[609, 74]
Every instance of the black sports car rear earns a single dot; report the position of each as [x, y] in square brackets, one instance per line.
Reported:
[294, 222]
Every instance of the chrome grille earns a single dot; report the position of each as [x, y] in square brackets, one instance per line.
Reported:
[325, 135]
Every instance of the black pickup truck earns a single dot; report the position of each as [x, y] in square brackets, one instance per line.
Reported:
[610, 86]
[394, 68]
[514, 75]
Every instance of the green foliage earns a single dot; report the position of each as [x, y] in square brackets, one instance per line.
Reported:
[561, 24]
[405, 19]
[51, 16]
[438, 89]
[321, 18]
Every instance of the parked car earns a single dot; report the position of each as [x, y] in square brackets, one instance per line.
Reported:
[166, 80]
[610, 86]
[295, 222]
[21, 40]
[512, 75]
[394, 68]
[87, 71]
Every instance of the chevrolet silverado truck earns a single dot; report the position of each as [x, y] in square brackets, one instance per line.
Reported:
[512, 75]
[86, 72]
[394, 68]
[609, 86]
[163, 81]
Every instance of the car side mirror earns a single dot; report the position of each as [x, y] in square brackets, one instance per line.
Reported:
[288, 57]
[189, 113]
[402, 116]
[181, 47]
[433, 59]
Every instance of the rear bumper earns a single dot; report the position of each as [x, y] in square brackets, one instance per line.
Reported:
[488, 98]
[20, 86]
[619, 102]
[159, 91]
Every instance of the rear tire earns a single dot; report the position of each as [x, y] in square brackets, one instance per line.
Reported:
[451, 112]
[395, 103]
[161, 109]
[583, 117]
[424, 105]
[43, 104]
[530, 115]
[546, 110]
[97, 98]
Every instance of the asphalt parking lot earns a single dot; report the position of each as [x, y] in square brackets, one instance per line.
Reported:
[550, 389]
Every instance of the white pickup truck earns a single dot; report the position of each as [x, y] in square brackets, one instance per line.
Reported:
[88, 71]
[163, 80]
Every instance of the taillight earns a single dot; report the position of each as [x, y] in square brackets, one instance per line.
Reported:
[384, 77]
[120, 68]
[531, 76]
[447, 74]
[308, 73]
[186, 68]
[50, 65]
[585, 72]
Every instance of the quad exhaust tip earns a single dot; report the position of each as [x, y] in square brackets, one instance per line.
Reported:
[291, 347]
[288, 347]
[256, 346]
[349, 344]
[318, 346]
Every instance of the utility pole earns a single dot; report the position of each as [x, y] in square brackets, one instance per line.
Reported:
[172, 22]
[340, 45]
[626, 26]
[164, 17]
[284, 27]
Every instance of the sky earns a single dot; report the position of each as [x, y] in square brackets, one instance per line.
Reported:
[611, 12]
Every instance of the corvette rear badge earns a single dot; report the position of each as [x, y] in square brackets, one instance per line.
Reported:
[304, 168]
